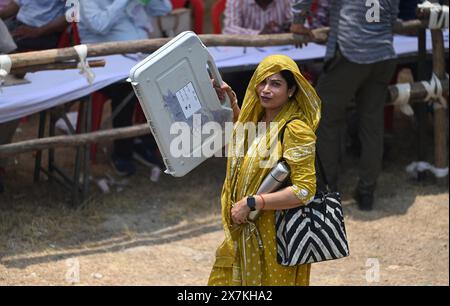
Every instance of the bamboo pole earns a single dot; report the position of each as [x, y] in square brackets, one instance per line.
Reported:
[57, 66]
[424, 13]
[440, 139]
[408, 27]
[149, 45]
[440, 118]
[418, 92]
[51, 56]
[59, 55]
[72, 140]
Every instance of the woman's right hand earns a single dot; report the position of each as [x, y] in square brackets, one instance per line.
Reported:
[240, 211]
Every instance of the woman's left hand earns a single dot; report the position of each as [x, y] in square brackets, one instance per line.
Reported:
[224, 89]
[240, 211]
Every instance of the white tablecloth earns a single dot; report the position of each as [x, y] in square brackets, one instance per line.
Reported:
[50, 88]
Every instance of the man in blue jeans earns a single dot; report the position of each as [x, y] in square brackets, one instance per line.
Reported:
[358, 65]
[116, 20]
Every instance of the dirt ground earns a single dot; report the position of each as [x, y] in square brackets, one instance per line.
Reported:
[166, 233]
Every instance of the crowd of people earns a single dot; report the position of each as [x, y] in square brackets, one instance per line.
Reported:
[113, 20]
[38, 25]
[355, 49]
[357, 68]
[29, 25]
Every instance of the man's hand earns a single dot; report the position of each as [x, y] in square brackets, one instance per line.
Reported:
[9, 10]
[24, 32]
[271, 28]
[302, 35]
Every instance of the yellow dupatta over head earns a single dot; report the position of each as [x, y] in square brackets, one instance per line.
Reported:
[304, 105]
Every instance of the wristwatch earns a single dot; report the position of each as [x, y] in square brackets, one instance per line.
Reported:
[251, 203]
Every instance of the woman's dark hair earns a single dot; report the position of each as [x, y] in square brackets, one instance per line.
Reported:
[290, 80]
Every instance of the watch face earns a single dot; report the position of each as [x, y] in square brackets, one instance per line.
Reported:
[251, 203]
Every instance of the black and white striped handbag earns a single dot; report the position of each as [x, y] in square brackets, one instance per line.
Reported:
[314, 232]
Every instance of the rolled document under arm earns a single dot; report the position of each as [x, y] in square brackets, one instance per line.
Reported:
[273, 181]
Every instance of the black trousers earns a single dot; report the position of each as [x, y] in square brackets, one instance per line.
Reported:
[117, 93]
[123, 148]
[340, 82]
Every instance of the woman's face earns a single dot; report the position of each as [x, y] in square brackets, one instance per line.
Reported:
[273, 92]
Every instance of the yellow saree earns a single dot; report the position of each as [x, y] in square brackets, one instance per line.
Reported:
[248, 254]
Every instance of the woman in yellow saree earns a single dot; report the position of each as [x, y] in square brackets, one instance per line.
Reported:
[277, 94]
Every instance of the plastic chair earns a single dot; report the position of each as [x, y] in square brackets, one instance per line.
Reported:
[70, 33]
[97, 101]
[216, 15]
[198, 8]
[314, 6]
[68, 38]
[178, 3]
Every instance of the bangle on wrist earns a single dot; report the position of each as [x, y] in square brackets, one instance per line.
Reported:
[263, 202]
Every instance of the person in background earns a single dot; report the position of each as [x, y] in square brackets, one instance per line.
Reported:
[115, 20]
[7, 129]
[358, 65]
[319, 17]
[30, 25]
[4, 3]
[35, 25]
[253, 17]
[320, 14]
[7, 43]
[257, 16]
[407, 9]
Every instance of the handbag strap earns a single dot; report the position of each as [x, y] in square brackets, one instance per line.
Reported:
[319, 162]
[322, 171]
